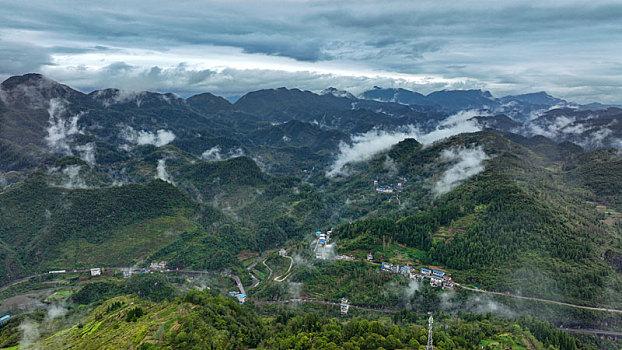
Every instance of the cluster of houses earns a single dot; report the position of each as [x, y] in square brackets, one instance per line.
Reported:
[437, 278]
[384, 189]
[322, 241]
[154, 266]
[387, 188]
[323, 237]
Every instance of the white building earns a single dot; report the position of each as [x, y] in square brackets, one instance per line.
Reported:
[97, 271]
[157, 265]
[344, 305]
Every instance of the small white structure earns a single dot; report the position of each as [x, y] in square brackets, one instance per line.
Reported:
[96, 271]
[127, 273]
[344, 305]
[370, 257]
[384, 189]
[282, 252]
[344, 257]
[158, 265]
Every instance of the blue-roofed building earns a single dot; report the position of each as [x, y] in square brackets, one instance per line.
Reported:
[426, 271]
[4, 318]
[241, 298]
[438, 273]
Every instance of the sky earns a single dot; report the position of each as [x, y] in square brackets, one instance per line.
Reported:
[571, 49]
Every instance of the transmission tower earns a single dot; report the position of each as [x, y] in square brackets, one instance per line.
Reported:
[430, 346]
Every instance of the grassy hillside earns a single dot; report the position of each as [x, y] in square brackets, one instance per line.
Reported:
[203, 320]
[45, 227]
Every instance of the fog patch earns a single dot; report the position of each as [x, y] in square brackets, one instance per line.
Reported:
[409, 291]
[459, 123]
[30, 333]
[3, 96]
[478, 303]
[60, 128]
[555, 128]
[215, 153]
[143, 137]
[234, 153]
[483, 304]
[70, 177]
[87, 152]
[119, 97]
[31, 95]
[568, 128]
[596, 139]
[330, 250]
[294, 289]
[212, 154]
[162, 174]
[390, 166]
[55, 311]
[299, 260]
[466, 162]
[365, 146]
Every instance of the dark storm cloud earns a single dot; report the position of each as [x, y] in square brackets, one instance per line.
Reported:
[562, 46]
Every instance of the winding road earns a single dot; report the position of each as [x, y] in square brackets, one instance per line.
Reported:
[591, 331]
[269, 269]
[284, 276]
[322, 302]
[594, 308]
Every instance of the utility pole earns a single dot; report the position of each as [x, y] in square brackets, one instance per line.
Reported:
[430, 346]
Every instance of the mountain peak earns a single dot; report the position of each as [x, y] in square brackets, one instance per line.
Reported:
[28, 79]
[337, 93]
[209, 103]
[402, 96]
[34, 91]
[536, 98]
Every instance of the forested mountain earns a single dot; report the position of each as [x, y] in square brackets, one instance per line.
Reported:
[511, 195]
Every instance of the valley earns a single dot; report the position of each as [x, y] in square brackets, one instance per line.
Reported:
[197, 209]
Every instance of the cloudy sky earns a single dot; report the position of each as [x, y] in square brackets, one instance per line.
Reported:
[572, 49]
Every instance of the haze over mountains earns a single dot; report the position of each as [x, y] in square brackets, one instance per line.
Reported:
[50, 118]
[518, 194]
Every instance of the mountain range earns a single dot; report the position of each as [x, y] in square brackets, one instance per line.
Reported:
[519, 195]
